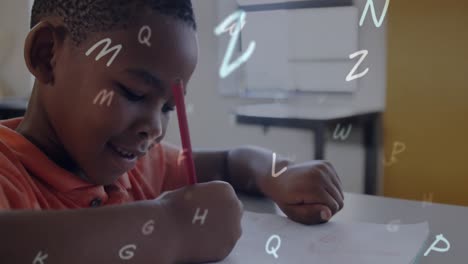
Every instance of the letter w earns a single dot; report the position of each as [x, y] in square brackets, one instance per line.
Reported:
[339, 133]
[370, 4]
[116, 49]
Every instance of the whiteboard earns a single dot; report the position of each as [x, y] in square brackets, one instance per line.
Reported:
[301, 49]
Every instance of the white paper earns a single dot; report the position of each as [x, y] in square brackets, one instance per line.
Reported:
[331, 243]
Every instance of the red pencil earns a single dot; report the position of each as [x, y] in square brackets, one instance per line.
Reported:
[178, 91]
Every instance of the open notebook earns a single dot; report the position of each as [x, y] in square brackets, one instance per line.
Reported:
[275, 239]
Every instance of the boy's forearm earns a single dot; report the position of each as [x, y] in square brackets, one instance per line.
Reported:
[250, 169]
[140, 232]
[246, 168]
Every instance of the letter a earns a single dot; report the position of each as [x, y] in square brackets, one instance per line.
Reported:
[226, 67]
[432, 247]
[370, 5]
[40, 258]
[116, 49]
[198, 217]
[350, 76]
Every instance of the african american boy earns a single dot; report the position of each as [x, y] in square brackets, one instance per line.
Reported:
[85, 176]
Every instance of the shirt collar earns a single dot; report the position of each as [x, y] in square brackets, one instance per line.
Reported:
[39, 165]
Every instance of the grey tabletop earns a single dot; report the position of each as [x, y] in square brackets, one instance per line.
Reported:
[447, 220]
[306, 112]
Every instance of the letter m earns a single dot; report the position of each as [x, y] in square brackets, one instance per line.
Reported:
[116, 49]
[370, 5]
[104, 96]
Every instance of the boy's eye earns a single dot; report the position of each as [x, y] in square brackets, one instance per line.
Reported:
[130, 96]
[168, 108]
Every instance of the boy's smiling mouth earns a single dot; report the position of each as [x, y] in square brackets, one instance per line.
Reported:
[123, 158]
[124, 153]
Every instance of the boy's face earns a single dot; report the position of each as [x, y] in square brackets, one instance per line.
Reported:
[94, 108]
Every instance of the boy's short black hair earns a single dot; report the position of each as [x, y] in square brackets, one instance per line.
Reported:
[85, 16]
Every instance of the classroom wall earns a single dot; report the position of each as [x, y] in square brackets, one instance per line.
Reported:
[427, 107]
[212, 126]
[15, 79]
[211, 122]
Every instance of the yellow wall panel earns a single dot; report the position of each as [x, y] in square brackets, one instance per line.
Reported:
[427, 100]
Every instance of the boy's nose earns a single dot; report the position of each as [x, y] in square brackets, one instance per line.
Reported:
[152, 129]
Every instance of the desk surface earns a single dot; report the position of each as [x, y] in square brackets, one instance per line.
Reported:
[285, 111]
[14, 103]
[443, 219]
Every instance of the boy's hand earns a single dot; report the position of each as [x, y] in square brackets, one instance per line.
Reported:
[207, 220]
[309, 193]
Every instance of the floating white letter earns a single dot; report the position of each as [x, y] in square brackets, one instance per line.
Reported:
[340, 133]
[40, 258]
[427, 199]
[350, 76]
[198, 217]
[227, 68]
[127, 252]
[148, 228]
[393, 226]
[370, 4]
[398, 147]
[275, 174]
[116, 49]
[103, 96]
[432, 247]
[273, 250]
[144, 36]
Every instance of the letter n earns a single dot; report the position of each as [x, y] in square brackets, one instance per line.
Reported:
[370, 5]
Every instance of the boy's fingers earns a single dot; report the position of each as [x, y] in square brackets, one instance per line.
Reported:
[337, 186]
[336, 195]
[308, 214]
[330, 173]
[330, 201]
[328, 193]
[330, 167]
[321, 196]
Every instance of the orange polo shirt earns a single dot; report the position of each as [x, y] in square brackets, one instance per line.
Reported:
[30, 180]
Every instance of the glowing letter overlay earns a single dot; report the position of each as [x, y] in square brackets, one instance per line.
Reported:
[148, 228]
[227, 68]
[275, 174]
[116, 49]
[351, 75]
[104, 95]
[427, 199]
[233, 27]
[182, 156]
[370, 4]
[144, 36]
[198, 217]
[340, 133]
[40, 258]
[273, 250]
[432, 247]
[398, 147]
[127, 252]
[393, 226]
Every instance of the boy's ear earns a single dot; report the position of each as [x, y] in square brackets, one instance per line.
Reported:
[41, 50]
